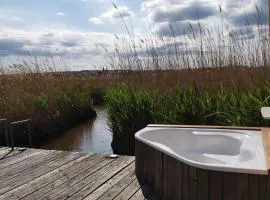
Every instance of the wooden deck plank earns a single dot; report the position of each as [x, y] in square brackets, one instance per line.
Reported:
[66, 181]
[141, 193]
[28, 171]
[4, 150]
[14, 173]
[129, 191]
[39, 171]
[46, 179]
[138, 195]
[87, 186]
[15, 153]
[41, 174]
[37, 158]
[73, 185]
[25, 155]
[115, 185]
[117, 188]
[23, 160]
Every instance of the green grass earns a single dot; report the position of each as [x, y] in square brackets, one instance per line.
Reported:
[53, 103]
[132, 108]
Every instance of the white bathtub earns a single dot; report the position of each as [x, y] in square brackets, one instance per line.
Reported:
[240, 151]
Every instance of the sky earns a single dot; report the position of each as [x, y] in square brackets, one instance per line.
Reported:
[78, 31]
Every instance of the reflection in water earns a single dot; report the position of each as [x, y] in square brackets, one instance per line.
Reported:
[93, 136]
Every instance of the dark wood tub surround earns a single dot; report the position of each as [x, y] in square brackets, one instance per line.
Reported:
[174, 179]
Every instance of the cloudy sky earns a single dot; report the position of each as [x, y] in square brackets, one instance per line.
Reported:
[79, 30]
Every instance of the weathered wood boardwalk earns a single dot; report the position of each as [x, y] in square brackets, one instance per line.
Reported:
[42, 174]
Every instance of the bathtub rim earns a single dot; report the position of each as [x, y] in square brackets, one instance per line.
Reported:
[264, 132]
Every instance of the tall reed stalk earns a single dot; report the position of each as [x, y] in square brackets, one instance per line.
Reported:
[207, 77]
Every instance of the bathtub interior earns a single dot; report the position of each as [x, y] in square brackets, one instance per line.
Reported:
[218, 149]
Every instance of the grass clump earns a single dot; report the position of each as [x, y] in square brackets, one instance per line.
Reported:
[41, 102]
[131, 109]
[190, 75]
[54, 103]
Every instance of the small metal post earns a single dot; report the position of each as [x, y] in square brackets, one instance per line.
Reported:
[26, 122]
[6, 132]
[11, 137]
[29, 130]
[5, 126]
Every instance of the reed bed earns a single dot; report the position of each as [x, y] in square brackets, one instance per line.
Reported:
[192, 76]
[131, 109]
[53, 101]
[196, 46]
[203, 77]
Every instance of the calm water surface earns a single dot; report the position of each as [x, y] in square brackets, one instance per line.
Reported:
[92, 136]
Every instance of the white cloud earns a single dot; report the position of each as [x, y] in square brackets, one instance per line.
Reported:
[74, 45]
[161, 14]
[86, 46]
[11, 16]
[96, 20]
[60, 14]
[99, 1]
[15, 19]
[113, 15]
[18, 19]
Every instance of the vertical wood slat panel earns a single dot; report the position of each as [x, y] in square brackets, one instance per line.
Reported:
[253, 185]
[185, 182]
[146, 163]
[151, 165]
[193, 183]
[262, 187]
[241, 186]
[144, 157]
[169, 178]
[176, 180]
[228, 186]
[138, 160]
[268, 187]
[158, 176]
[179, 180]
[203, 184]
[215, 191]
[165, 176]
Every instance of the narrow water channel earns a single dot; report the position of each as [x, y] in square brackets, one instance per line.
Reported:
[92, 136]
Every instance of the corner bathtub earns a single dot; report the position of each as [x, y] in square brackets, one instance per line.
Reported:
[204, 162]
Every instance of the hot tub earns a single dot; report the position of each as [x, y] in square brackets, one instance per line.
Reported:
[203, 162]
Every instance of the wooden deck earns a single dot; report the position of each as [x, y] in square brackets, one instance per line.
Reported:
[42, 174]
